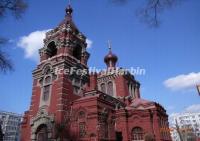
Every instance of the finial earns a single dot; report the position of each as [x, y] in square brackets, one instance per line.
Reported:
[109, 45]
[69, 9]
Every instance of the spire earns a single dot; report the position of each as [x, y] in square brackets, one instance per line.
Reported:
[110, 59]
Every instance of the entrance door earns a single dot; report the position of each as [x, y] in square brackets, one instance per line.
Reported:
[42, 133]
[119, 136]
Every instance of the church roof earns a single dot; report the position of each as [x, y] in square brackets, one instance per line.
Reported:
[140, 102]
[110, 56]
[68, 19]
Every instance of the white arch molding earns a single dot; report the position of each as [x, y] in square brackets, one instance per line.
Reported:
[42, 118]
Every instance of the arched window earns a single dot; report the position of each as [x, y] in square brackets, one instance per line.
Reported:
[46, 91]
[47, 80]
[81, 114]
[41, 133]
[110, 88]
[137, 134]
[103, 87]
[46, 88]
[47, 70]
[51, 49]
[82, 131]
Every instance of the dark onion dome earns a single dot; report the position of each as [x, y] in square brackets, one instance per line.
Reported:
[69, 10]
[110, 57]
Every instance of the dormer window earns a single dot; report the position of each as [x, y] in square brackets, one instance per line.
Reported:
[51, 49]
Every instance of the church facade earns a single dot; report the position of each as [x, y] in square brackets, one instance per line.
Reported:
[71, 106]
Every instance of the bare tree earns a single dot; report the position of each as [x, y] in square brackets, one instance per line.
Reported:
[5, 62]
[16, 8]
[152, 9]
[178, 130]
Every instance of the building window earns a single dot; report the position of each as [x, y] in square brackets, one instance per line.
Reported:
[103, 87]
[82, 129]
[47, 80]
[47, 70]
[81, 114]
[137, 134]
[110, 88]
[46, 88]
[46, 91]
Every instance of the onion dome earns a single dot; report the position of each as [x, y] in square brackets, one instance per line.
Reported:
[68, 16]
[69, 10]
[110, 59]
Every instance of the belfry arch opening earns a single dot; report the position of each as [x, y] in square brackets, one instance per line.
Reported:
[77, 52]
[51, 49]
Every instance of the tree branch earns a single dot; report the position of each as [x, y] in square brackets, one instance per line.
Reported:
[16, 7]
[5, 63]
[150, 12]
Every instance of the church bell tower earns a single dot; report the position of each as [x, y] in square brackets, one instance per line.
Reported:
[59, 79]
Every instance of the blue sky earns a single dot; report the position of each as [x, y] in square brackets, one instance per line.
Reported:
[170, 53]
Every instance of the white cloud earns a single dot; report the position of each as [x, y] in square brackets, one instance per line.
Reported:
[89, 43]
[193, 108]
[31, 43]
[183, 81]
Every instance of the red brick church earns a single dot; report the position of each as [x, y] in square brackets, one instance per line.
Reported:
[71, 106]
